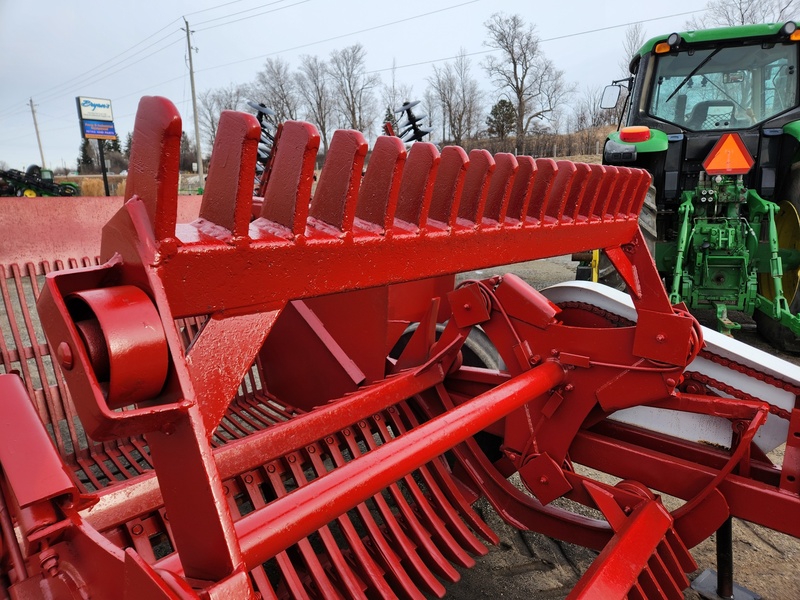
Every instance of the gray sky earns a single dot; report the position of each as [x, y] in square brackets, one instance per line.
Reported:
[54, 50]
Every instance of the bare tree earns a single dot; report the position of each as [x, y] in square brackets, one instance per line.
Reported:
[433, 107]
[354, 88]
[631, 43]
[726, 13]
[459, 96]
[587, 118]
[394, 94]
[313, 82]
[523, 73]
[276, 87]
[212, 102]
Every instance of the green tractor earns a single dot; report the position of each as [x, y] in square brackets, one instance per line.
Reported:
[35, 181]
[714, 116]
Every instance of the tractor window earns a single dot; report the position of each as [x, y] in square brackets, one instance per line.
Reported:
[725, 87]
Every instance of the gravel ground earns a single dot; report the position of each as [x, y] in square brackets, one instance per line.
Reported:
[530, 566]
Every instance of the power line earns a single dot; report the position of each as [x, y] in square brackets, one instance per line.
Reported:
[96, 76]
[238, 13]
[50, 93]
[202, 10]
[337, 37]
[255, 15]
[552, 39]
[113, 58]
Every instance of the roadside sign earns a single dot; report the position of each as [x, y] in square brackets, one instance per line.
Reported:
[99, 130]
[96, 118]
[94, 109]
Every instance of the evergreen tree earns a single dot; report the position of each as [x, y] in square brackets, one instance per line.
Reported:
[128, 144]
[112, 145]
[390, 118]
[85, 160]
[188, 153]
[502, 119]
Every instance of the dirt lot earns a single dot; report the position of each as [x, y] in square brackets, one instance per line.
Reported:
[529, 566]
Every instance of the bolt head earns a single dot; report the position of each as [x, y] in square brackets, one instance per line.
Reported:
[65, 357]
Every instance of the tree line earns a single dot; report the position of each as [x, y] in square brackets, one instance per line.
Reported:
[530, 100]
[531, 108]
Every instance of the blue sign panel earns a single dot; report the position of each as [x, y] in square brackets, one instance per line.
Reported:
[99, 130]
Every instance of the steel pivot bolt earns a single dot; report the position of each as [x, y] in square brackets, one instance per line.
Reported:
[137, 530]
[543, 480]
[65, 358]
[661, 338]
[48, 560]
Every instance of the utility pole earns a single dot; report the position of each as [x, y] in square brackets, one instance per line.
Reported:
[36, 127]
[194, 106]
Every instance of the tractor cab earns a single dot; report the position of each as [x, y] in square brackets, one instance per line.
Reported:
[714, 116]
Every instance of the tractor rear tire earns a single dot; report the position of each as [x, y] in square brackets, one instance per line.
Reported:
[777, 335]
[606, 273]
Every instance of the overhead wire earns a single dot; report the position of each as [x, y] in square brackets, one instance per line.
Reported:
[93, 70]
[551, 39]
[58, 90]
[91, 75]
[238, 13]
[336, 37]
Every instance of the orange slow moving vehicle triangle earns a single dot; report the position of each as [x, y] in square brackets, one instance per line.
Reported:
[728, 157]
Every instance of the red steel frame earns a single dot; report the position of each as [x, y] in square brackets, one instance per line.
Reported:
[238, 355]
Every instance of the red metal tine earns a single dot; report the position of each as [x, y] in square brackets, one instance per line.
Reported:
[346, 576]
[500, 188]
[401, 541]
[592, 194]
[360, 554]
[560, 192]
[522, 189]
[290, 576]
[577, 191]
[384, 551]
[476, 187]
[620, 192]
[638, 193]
[449, 184]
[315, 568]
[416, 188]
[659, 570]
[263, 585]
[436, 526]
[154, 163]
[291, 178]
[604, 194]
[377, 198]
[420, 534]
[443, 491]
[228, 195]
[336, 195]
[546, 170]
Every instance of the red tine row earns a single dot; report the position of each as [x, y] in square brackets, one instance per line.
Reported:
[415, 191]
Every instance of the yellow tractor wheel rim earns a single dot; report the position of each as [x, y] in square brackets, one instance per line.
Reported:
[788, 225]
[29, 193]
